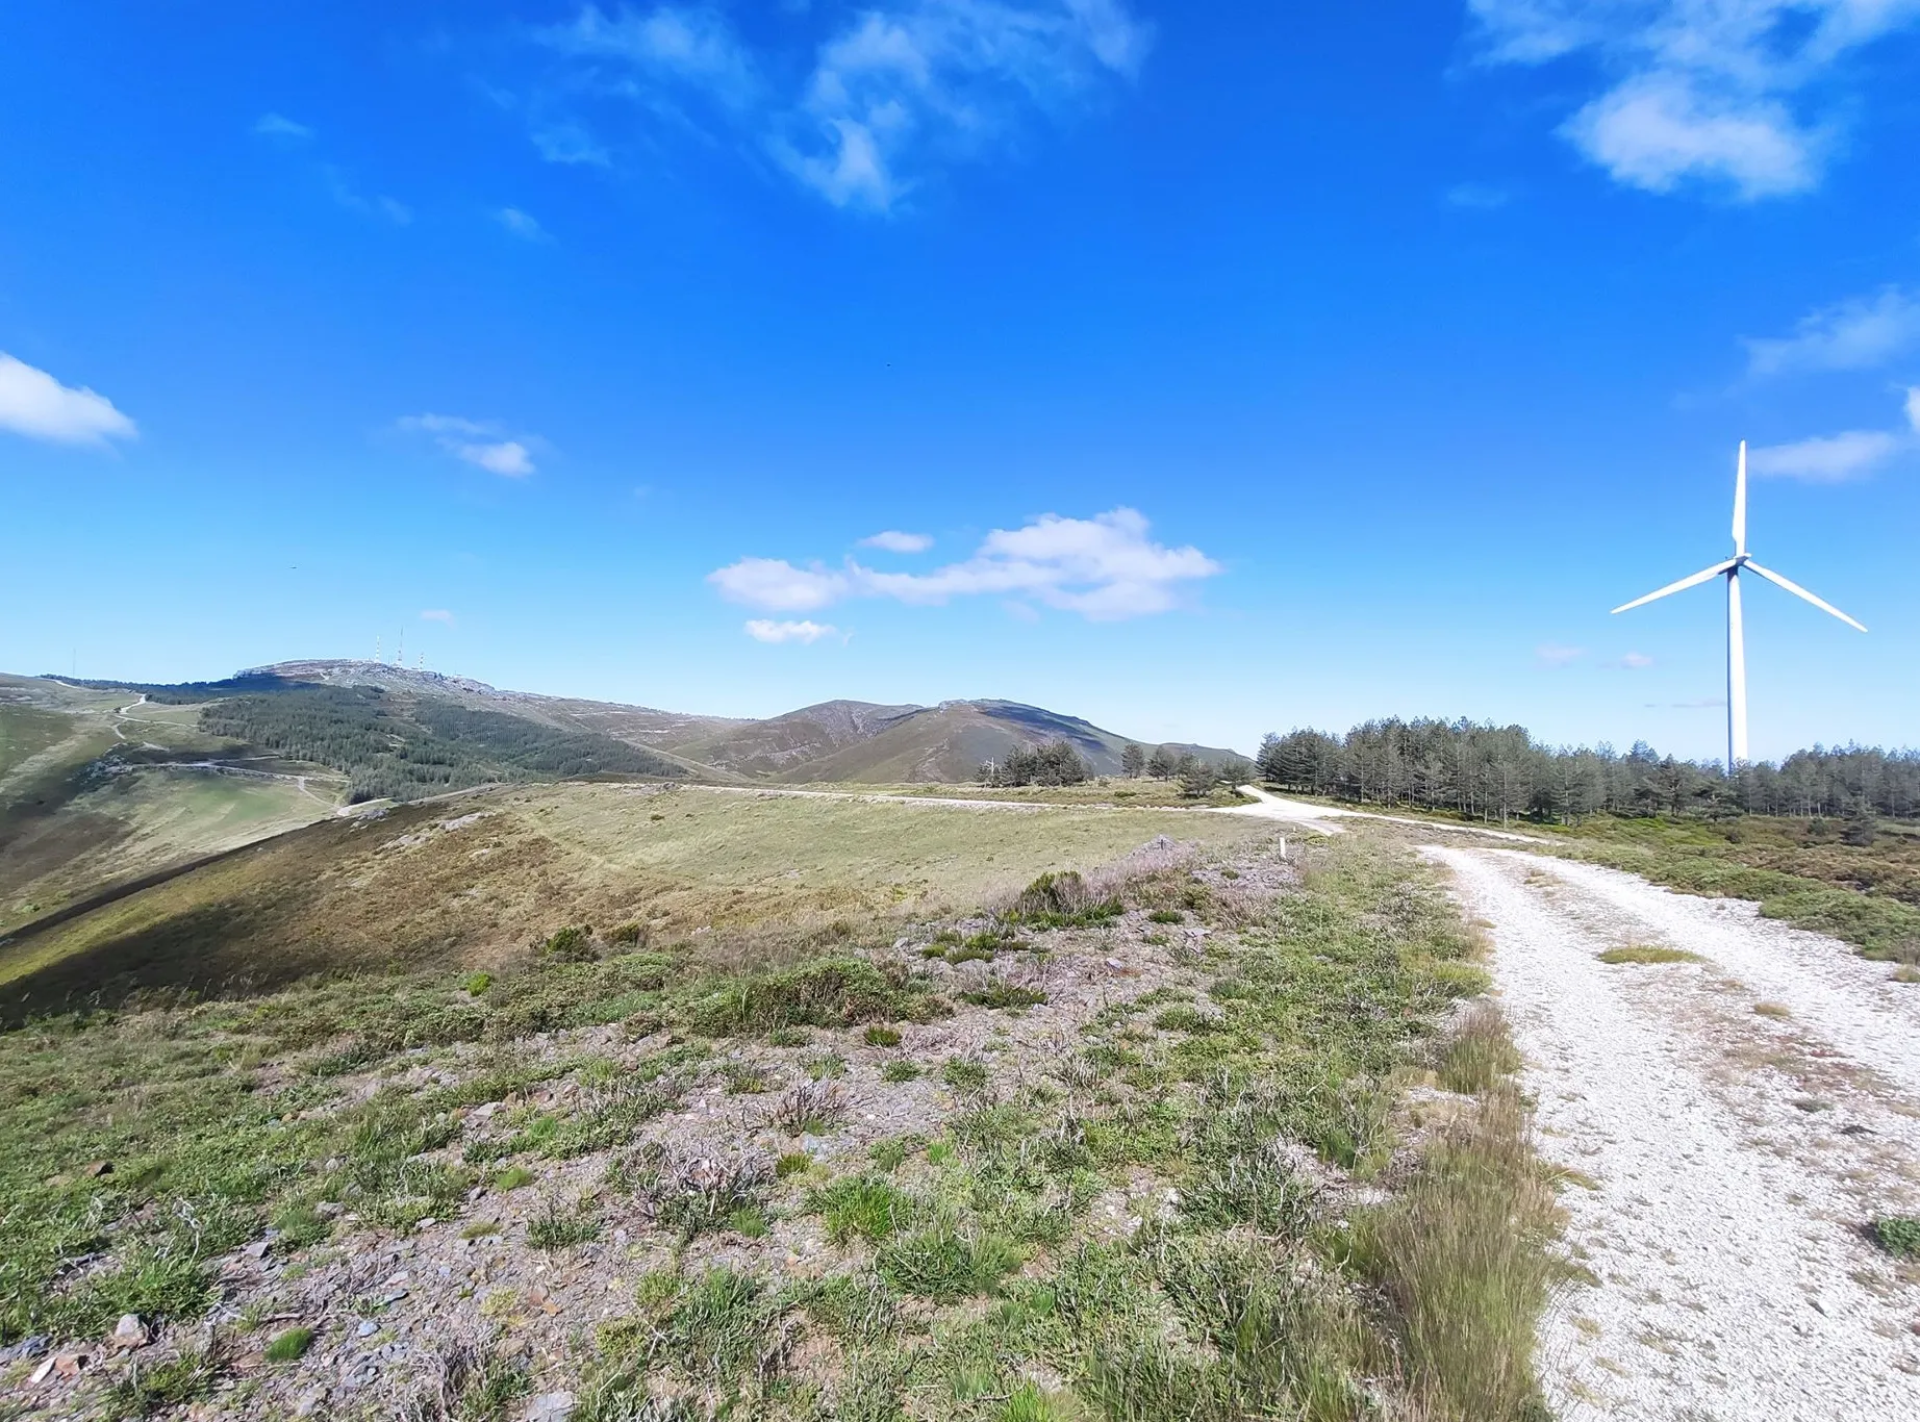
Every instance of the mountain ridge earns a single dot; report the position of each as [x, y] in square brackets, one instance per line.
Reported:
[836, 741]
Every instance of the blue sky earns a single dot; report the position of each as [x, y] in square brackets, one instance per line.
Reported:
[1209, 369]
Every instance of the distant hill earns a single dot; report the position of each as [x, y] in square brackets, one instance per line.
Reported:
[854, 742]
[402, 732]
[105, 782]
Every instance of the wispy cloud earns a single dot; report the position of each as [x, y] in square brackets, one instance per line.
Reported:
[279, 126]
[1858, 334]
[1105, 568]
[521, 224]
[1635, 661]
[1826, 459]
[571, 144]
[905, 88]
[890, 96]
[481, 443]
[688, 44]
[34, 404]
[1840, 458]
[437, 614]
[353, 200]
[1705, 703]
[1740, 93]
[764, 630]
[1554, 654]
[896, 542]
[1477, 197]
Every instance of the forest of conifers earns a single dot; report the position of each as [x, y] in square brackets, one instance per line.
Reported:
[1498, 772]
[406, 747]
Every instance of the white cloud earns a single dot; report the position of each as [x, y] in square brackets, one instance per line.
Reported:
[762, 630]
[915, 83]
[521, 224]
[896, 542]
[894, 91]
[689, 43]
[34, 404]
[1656, 131]
[1827, 459]
[1636, 661]
[1553, 654]
[1105, 568]
[478, 442]
[776, 584]
[570, 143]
[1733, 92]
[349, 197]
[1857, 334]
[1840, 458]
[279, 126]
[437, 614]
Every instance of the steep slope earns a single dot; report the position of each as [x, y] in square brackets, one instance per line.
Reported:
[949, 743]
[101, 787]
[784, 746]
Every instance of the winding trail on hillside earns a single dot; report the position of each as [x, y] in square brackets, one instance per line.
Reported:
[1721, 1159]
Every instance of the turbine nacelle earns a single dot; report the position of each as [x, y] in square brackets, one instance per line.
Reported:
[1736, 641]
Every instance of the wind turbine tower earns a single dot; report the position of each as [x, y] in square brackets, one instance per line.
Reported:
[1736, 636]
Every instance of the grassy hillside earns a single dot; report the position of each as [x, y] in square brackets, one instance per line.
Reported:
[101, 788]
[1136, 1149]
[783, 746]
[1803, 871]
[471, 881]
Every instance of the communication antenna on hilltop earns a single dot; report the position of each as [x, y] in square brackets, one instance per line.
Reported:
[1736, 635]
[420, 662]
[400, 652]
[378, 654]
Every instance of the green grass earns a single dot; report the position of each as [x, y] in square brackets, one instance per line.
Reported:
[965, 1074]
[956, 1277]
[291, 1344]
[861, 1207]
[775, 880]
[555, 1228]
[1648, 953]
[1799, 871]
[151, 1389]
[948, 1261]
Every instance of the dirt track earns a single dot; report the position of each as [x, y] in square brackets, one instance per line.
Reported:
[1724, 1159]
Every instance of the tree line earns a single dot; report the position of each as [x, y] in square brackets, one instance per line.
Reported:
[1487, 772]
[1060, 763]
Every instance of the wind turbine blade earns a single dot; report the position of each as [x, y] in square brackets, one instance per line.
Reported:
[1700, 577]
[1791, 586]
[1740, 504]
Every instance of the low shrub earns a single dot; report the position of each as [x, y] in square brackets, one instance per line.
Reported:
[834, 992]
[1899, 1235]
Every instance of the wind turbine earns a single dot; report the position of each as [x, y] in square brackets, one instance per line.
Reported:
[1736, 641]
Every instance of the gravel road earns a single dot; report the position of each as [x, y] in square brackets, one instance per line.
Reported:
[1720, 1159]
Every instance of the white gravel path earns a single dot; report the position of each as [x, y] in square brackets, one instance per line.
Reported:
[1731, 1155]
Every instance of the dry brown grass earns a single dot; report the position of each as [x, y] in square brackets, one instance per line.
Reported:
[747, 881]
[1461, 1252]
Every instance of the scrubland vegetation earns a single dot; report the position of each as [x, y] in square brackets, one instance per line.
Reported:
[1195, 1135]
